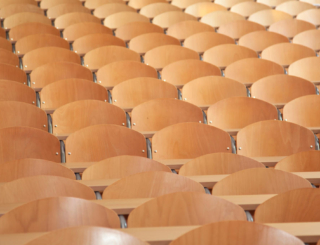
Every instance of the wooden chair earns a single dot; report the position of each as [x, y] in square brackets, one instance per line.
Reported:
[55, 213]
[203, 41]
[66, 20]
[5, 44]
[311, 15]
[150, 184]
[66, 8]
[162, 56]
[187, 28]
[178, 141]
[309, 39]
[272, 3]
[286, 53]
[186, 3]
[78, 30]
[94, 4]
[32, 42]
[108, 9]
[274, 138]
[12, 73]
[208, 90]
[248, 8]
[134, 29]
[122, 166]
[55, 71]
[80, 235]
[225, 54]
[157, 114]
[184, 208]
[280, 89]
[291, 27]
[260, 40]
[74, 116]
[112, 74]
[25, 17]
[200, 9]
[239, 28]
[167, 19]
[181, 72]
[218, 18]
[133, 92]
[138, 4]
[154, 9]
[46, 4]
[27, 167]
[233, 232]
[15, 91]
[4, 3]
[218, 163]
[306, 68]
[25, 142]
[229, 3]
[268, 16]
[15, 8]
[9, 58]
[297, 205]
[294, 7]
[239, 112]
[17, 114]
[3, 33]
[99, 142]
[31, 28]
[119, 19]
[248, 71]
[306, 161]
[145, 42]
[99, 57]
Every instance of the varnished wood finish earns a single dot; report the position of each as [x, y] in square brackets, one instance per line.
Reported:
[9, 58]
[268, 16]
[183, 4]
[119, 19]
[25, 17]
[281, 88]
[26, 167]
[218, 18]
[239, 28]
[200, 9]
[150, 184]
[93, 4]
[191, 208]
[248, 71]
[272, 3]
[274, 138]
[133, 92]
[311, 15]
[65, 8]
[294, 7]
[189, 140]
[111, 8]
[3, 33]
[12, 73]
[122, 166]
[46, 4]
[25, 142]
[291, 27]
[138, 4]
[299, 205]
[236, 232]
[172, 17]
[229, 3]
[113, 74]
[155, 9]
[63, 21]
[19, 8]
[14, 91]
[248, 8]
[4, 3]
[306, 68]
[55, 213]
[309, 39]
[99, 142]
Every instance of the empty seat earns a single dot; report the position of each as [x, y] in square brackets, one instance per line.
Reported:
[272, 3]
[218, 163]
[164, 55]
[268, 16]
[111, 8]
[150, 184]
[274, 138]
[4, 3]
[36, 41]
[306, 68]
[46, 4]
[167, 19]
[99, 57]
[248, 8]
[9, 58]
[65, 8]
[189, 140]
[14, 91]
[25, 17]
[259, 40]
[93, 4]
[286, 53]
[19, 8]
[155, 9]
[12, 73]
[112, 74]
[311, 15]
[138, 4]
[181, 72]
[203, 41]
[184, 208]
[66, 20]
[218, 18]
[248, 71]
[294, 7]
[229, 3]
[133, 92]
[291, 27]
[200, 9]
[119, 19]
[309, 39]
[56, 213]
[99, 142]
[183, 4]
[45, 55]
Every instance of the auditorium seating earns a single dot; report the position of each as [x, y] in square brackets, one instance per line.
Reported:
[16, 8]
[306, 161]
[247, 8]
[167, 19]
[311, 15]
[55, 11]
[15, 91]
[308, 38]
[25, 17]
[107, 9]
[7, 57]
[202, 8]
[118, 19]
[306, 68]
[12, 73]
[267, 17]
[154, 9]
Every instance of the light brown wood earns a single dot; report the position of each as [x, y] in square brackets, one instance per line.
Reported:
[122, 166]
[226, 54]
[282, 88]
[9, 58]
[155, 9]
[46, 4]
[294, 7]
[291, 27]
[55, 213]
[229, 3]
[203, 41]
[65, 8]
[183, 4]
[150, 184]
[105, 10]
[306, 68]
[167, 19]
[14, 91]
[311, 15]
[274, 138]
[4, 3]
[99, 142]
[248, 71]
[218, 18]
[272, 3]
[119, 19]
[247, 8]
[236, 232]
[25, 142]
[3, 33]
[66, 20]
[201, 8]
[25, 17]
[5, 44]
[133, 92]
[15, 8]
[99, 57]
[309, 39]
[239, 28]
[314, 2]
[80, 236]
[31, 28]
[189, 140]
[138, 4]
[93, 4]
[268, 16]
[12, 73]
